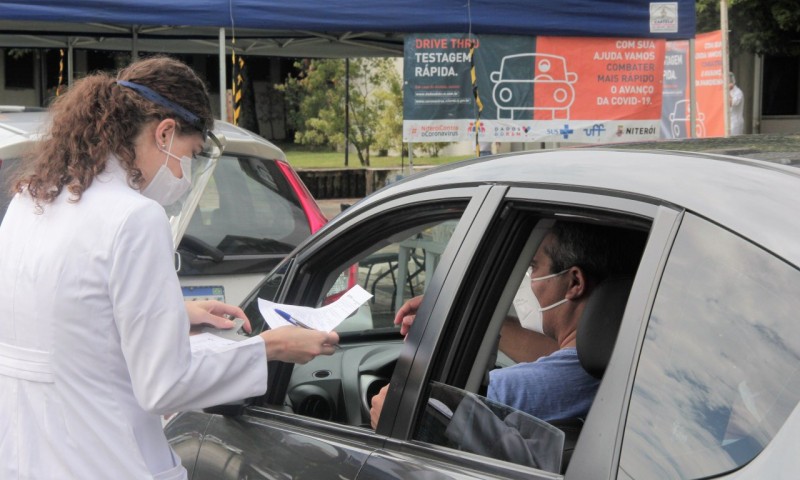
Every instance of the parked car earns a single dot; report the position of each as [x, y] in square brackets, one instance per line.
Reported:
[253, 211]
[701, 367]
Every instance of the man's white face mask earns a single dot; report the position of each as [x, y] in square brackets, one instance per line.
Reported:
[527, 305]
[165, 188]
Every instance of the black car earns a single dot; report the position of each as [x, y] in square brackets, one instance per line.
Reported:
[700, 365]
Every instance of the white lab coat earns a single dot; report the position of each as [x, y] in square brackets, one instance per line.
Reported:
[94, 340]
[737, 111]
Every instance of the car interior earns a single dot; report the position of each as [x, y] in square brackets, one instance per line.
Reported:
[340, 388]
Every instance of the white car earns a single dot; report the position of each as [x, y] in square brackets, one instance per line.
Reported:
[253, 211]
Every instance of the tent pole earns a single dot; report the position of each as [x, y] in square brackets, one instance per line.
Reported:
[410, 158]
[134, 44]
[70, 60]
[692, 93]
[223, 96]
[757, 92]
[346, 111]
[726, 95]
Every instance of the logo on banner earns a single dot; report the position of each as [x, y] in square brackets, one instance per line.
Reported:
[663, 17]
[522, 72]
[596, 130]
[474, 126]
[620, 130]
[649, 131]
[564, 132]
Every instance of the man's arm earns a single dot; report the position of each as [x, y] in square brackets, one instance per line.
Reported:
[523, 345]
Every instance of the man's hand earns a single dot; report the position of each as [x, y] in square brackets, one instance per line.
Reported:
[407, 313]
[211, 312]
[298, 345]
[377, 406]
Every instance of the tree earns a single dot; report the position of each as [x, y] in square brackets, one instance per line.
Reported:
[770, 27]
[316, 98]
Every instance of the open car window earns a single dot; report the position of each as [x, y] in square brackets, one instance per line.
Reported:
[393, 270]
[485, 337]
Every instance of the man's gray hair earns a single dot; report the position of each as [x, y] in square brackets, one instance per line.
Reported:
[599, 251]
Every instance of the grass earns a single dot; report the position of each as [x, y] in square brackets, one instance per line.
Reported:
[301, 156]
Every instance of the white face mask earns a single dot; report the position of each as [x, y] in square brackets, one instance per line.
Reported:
[527, 305]
[165, 188]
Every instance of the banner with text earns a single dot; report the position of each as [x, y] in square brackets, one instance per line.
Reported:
[564, 89]
[708, 81]
[709, 84]
[675, 104]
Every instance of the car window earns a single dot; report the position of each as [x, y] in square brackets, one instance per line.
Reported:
[718, 373]
[490, 354]
[397, 271]
[248, 208]
[393, 255]
[393, 262]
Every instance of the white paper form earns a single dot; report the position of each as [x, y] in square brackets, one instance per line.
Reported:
[324, 318]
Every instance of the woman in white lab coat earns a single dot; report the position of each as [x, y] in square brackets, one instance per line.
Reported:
[94, 333]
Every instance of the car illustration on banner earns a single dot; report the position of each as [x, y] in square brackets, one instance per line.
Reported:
[528, 76]
[679, 121]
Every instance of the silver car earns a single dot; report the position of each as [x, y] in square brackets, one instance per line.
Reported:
[699, 358]
[251, 214]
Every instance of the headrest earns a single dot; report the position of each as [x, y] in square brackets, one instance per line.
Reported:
[599, 324]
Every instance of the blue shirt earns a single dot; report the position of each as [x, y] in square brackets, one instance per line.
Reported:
[551, 388]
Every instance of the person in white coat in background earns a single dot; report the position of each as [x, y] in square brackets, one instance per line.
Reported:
[94, 332]
[736, 107]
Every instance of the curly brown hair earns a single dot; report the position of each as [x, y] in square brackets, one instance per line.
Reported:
[98, 117]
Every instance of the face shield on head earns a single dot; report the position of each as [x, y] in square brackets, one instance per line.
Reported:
[203, 164]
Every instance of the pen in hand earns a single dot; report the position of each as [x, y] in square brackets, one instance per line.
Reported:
[292, 320]
[286, 316]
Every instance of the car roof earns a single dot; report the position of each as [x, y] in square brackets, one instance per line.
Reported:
[21, 123]
[17, 127]
[756, 199]
[245, 142]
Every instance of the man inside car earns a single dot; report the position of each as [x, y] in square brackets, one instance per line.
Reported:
[570, 262]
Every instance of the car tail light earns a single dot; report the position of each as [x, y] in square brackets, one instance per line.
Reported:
[349, 278]
[315, 217]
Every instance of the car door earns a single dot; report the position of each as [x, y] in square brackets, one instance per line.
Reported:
[717, 385]
[314, 420]
[455, 346]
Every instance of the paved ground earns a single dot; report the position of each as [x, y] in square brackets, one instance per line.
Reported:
[331, 207]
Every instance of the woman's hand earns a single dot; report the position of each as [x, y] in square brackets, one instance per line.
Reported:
[211, 312]
[298, 345]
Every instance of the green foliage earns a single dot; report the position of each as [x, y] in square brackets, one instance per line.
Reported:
[389, 131]
[769, 27]
[316, 99]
